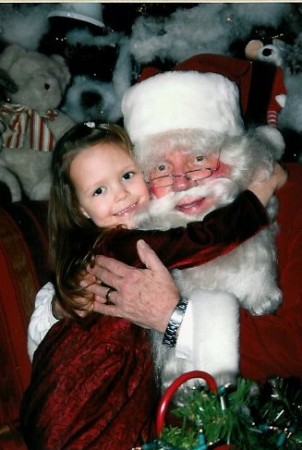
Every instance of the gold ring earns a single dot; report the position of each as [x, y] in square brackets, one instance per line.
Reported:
[108, 294]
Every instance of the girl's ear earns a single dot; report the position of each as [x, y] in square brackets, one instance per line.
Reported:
[85, 213]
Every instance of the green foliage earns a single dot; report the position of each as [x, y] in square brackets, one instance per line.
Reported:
[251, 416]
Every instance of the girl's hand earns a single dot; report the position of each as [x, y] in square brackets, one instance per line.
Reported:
[265, 187]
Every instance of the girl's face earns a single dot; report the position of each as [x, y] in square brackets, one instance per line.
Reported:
[108, 184]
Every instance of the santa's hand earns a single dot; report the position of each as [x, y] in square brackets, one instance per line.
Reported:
[146, 297]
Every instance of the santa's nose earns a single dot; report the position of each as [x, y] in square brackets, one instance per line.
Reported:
[181, 183]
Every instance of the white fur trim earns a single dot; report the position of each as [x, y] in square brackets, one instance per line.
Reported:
[182, 100]
[42, 318]
[209, 334]
[272, 137]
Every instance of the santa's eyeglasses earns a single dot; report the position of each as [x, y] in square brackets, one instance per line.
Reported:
[204, 169]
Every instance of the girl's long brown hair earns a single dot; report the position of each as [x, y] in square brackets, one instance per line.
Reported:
[71, 234]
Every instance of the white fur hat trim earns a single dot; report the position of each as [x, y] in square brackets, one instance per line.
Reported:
[182, 100]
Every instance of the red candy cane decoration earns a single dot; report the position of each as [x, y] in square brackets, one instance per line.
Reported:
[166, 398]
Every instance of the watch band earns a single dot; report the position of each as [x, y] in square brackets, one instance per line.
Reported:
[170, 335]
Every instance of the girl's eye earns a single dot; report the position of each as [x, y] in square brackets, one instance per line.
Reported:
[98, 191]
[128, 175]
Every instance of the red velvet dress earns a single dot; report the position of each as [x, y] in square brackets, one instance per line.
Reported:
[92, 384]
[92, 387]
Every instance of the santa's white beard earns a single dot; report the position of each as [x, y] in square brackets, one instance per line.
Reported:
[162, 214]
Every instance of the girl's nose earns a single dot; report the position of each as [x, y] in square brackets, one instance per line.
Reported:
[120, 192]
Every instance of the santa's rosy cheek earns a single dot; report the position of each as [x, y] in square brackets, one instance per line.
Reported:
[224, 171]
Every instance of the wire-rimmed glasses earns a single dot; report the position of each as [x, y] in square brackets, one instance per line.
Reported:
[200, 173]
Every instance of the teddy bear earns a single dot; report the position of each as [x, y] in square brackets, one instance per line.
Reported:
[30, 118]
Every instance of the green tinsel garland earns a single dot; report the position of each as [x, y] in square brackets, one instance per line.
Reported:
[249, 417]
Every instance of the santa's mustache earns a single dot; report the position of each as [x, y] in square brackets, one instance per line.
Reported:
[222, 189]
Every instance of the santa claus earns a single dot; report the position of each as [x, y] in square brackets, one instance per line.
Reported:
[190, 140]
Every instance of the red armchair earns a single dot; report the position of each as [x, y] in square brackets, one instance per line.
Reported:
[24, 268]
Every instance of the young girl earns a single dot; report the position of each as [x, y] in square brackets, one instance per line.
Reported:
[92, 382]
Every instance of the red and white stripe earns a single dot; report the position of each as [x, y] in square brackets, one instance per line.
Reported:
[25, 123]
[271, 118]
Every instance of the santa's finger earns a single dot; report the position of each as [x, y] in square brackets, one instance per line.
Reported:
[119, 277]
[107, 310]
[149, 258]
[96, 288]
[106, 278]
[111, 265]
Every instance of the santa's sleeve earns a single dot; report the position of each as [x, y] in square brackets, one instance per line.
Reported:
[42, 318]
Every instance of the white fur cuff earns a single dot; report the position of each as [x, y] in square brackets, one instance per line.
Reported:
[209, 334]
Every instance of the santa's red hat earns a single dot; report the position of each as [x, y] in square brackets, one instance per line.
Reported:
[182, 100]
[238, 70]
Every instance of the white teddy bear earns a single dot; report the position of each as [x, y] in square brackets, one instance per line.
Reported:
[31, 119]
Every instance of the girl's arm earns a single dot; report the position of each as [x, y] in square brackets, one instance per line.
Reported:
[42, 318]
[220, 232]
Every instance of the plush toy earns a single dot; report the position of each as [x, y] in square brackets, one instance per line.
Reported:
[88, 99]
[31, 118]
[92, 98]
[271, 54]
[284, 110]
